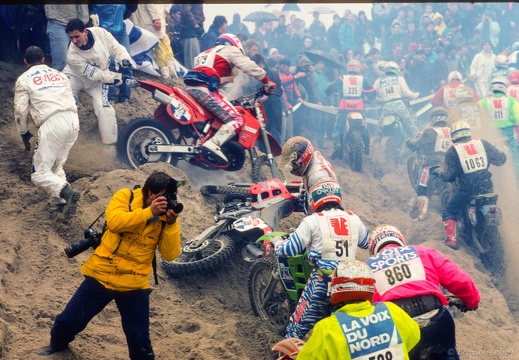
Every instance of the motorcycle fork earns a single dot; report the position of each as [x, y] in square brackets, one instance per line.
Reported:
[271, 287]
[263, 133]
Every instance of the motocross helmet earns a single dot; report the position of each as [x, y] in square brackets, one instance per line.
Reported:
[501, 61]
[384, 235]
[352, 280]
[299, 152]
[323, 192]
[354, 66]
[514, 77]
[438, 116]
[454, 75]
[499, 84]
[229, 40]
[460, 129]
[463, 94]
[391, 67]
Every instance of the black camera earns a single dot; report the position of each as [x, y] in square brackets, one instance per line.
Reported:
[92, 239]
[171, 195]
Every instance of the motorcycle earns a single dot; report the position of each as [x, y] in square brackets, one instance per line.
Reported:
[478, 226]
[353, 140]
[415, 165]
[392, 128]
[180, 126]
[275, 283]
[243, 218]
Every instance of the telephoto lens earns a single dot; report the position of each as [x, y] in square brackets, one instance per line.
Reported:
[78, 247]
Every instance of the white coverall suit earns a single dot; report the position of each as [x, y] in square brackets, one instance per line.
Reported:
[88, 71]
[45, 94]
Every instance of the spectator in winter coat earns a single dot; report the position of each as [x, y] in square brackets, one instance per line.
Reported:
[481, 70]
[237, 27]
[191, 29]
[217, 28]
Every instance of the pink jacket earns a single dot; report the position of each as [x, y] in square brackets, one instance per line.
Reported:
[408, 271]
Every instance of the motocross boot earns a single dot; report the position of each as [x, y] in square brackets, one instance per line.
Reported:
[172, 69]
[214, 144]
[450, 231]
[71, 198]
[164, 70]
[423, 205]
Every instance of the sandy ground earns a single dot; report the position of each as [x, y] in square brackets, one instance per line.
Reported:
[206, 316]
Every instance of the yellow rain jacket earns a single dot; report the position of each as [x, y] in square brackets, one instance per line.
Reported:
[397, 333]
[123, 260]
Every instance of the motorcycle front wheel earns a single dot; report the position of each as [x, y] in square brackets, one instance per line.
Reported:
[278, 307]
[211, 254]
[137, 136]
[493, 256]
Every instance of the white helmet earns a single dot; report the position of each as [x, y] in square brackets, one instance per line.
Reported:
[499, 84]
[352, 280]
[384, 235]
[455, 75]
[229, 40]
[392, 67]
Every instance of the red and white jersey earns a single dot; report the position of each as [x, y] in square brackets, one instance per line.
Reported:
[472, 155]
[443, 139]
[352, 86]
[225, 62]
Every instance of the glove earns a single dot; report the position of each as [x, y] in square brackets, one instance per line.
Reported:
[126, 64]
[464, 308]
[269, 87]
[131, 82]
[26, 137]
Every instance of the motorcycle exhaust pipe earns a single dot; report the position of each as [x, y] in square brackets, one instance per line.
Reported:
[161, 97]
[254, 250]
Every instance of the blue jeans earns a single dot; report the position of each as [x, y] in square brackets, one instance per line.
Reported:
[59, 42]
[90, 298]
[124, 90]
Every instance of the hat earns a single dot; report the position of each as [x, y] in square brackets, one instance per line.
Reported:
[273, 52]
[303, 61]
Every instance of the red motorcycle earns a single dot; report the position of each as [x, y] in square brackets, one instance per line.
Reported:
[180, 126]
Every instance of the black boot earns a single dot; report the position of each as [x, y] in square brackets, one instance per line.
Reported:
[71, 197]
[47, 351]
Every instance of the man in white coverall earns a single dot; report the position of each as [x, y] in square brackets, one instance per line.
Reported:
[45, 94]
[87, 68]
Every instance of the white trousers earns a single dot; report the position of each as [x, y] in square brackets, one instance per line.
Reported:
[56, 136]
[105, 113]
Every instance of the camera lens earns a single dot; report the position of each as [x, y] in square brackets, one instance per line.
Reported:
[78, 247]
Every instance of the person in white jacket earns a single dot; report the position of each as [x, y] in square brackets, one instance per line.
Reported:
[481, 70]
[44, 93]
[88, 60]
[152, 17]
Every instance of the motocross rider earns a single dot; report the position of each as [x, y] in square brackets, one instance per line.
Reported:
[431, 145]
[352, 289]
[391, 89]
[503, 111]
[446, 95]
[354, 87]
[329, 236]
[213, 69]
[500, 66]
[305, 162]
[411, 277]
[466, 162]
[513, 89]
[465, 109]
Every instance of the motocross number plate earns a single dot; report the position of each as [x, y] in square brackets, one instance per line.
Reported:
[179, 110]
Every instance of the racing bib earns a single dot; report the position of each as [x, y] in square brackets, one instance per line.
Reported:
[396, 266]
[448, 96]
[389, 88]
[513, 91]
[206, 59]
[352, 86]
[372, 337]
[499, 109]
[472, 155]
[470, 113]
[338, 234]
[443, 139]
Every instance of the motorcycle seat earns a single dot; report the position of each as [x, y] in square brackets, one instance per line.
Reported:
[484, 199]
[273, 214]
